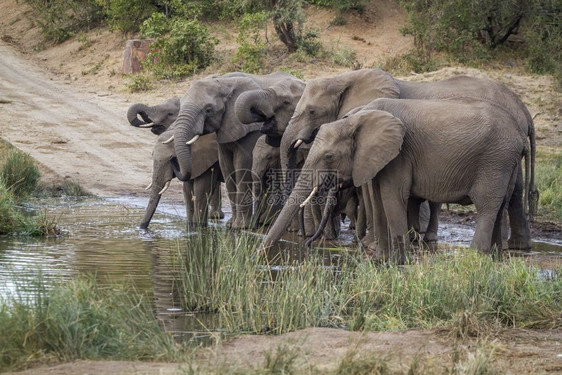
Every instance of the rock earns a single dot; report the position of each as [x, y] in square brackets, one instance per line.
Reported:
[136, 51]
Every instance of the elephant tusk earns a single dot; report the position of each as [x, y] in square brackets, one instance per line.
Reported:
[166, 186]
[192, 140]
[168, 140]
[147, 125]
[307, 200]
[298, 143]
[148, 187]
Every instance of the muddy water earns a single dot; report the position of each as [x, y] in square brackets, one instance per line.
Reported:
[101, 238]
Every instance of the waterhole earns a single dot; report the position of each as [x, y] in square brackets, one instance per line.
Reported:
[101, 238]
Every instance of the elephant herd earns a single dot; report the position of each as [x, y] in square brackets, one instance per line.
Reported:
[299, 156]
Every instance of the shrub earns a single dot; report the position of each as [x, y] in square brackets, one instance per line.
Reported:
[251, 52]
[62, 19]
[127, 15]
[181, 46]
[19, 173]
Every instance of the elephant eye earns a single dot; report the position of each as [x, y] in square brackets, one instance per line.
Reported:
[286, 102]
[170, 114]
[311, 112]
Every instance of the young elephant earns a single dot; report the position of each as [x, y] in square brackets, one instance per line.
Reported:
[159, 118]
[442, 151]
[200, 192]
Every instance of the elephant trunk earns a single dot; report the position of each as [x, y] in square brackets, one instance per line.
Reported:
[134, 111]
[152, 204]
[254, 106]
[288, 156]
[327, 214]
[290, 209]
[187, 127]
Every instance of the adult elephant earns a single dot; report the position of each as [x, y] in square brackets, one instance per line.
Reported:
[158, 117]
[207, 107]
[328, 99]
[442, 151]
[200, 192]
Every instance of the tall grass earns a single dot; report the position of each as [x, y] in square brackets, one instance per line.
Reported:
[221, 275]
[19, 173]
[79, 319]
[549, 183]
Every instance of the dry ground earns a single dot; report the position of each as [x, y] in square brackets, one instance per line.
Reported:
[66, 105]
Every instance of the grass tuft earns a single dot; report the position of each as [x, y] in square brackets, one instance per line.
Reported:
[79, 319]
[19, 173]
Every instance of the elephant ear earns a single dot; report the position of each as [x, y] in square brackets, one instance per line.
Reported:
[378, 137]
[204, 153]
[231, 128]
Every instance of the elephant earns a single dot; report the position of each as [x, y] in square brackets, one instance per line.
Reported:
[200, 192]
[272, 106]
[158, 118]
[207, 107]
[328, 99]
[439, 150]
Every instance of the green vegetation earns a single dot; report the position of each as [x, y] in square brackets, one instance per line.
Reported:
[19, 173]
[221, 275]
[549, 183]
[181, 46]
[79, 319]
[475, 31]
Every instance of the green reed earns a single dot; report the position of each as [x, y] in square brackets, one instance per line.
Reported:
[220, 274]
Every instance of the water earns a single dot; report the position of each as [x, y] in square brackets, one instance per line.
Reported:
[101, 238]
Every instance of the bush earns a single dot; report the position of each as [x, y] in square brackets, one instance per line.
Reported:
[127, 15]
[62, 19]
[181, 46]
[19, 173]
[251, 51]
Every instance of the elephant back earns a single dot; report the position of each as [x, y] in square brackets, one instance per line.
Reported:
[205, 153]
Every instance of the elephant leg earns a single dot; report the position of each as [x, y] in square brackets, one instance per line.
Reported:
[227, 167]
[351, 211]
[361, 224]
[414, 218]
[520, 233]
[379, 246]
[489, 202]
[203, 191]
[369, 202]
[187, 189]
[242, 158]
[309, 227]
[316, 210]
[215, 201]
[396, 211]
[430, 237]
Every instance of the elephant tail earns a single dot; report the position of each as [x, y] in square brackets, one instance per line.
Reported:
[532, 195]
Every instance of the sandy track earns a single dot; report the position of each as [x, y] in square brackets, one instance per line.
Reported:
[80, 135]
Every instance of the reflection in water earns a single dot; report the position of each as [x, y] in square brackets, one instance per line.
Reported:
[102, 239]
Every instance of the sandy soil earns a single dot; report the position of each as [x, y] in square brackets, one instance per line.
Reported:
[66, 105]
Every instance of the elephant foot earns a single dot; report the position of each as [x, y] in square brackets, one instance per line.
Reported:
[216, 215]
[241, 222]
[519, 244]
[431, 245]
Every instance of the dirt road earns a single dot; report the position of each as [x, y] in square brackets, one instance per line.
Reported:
[77, 134]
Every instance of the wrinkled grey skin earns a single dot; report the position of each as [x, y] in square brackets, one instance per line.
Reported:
[158, 117]
[200, 193]
[207, 107]
[441, 151]
[272, 106]
[328, 99]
